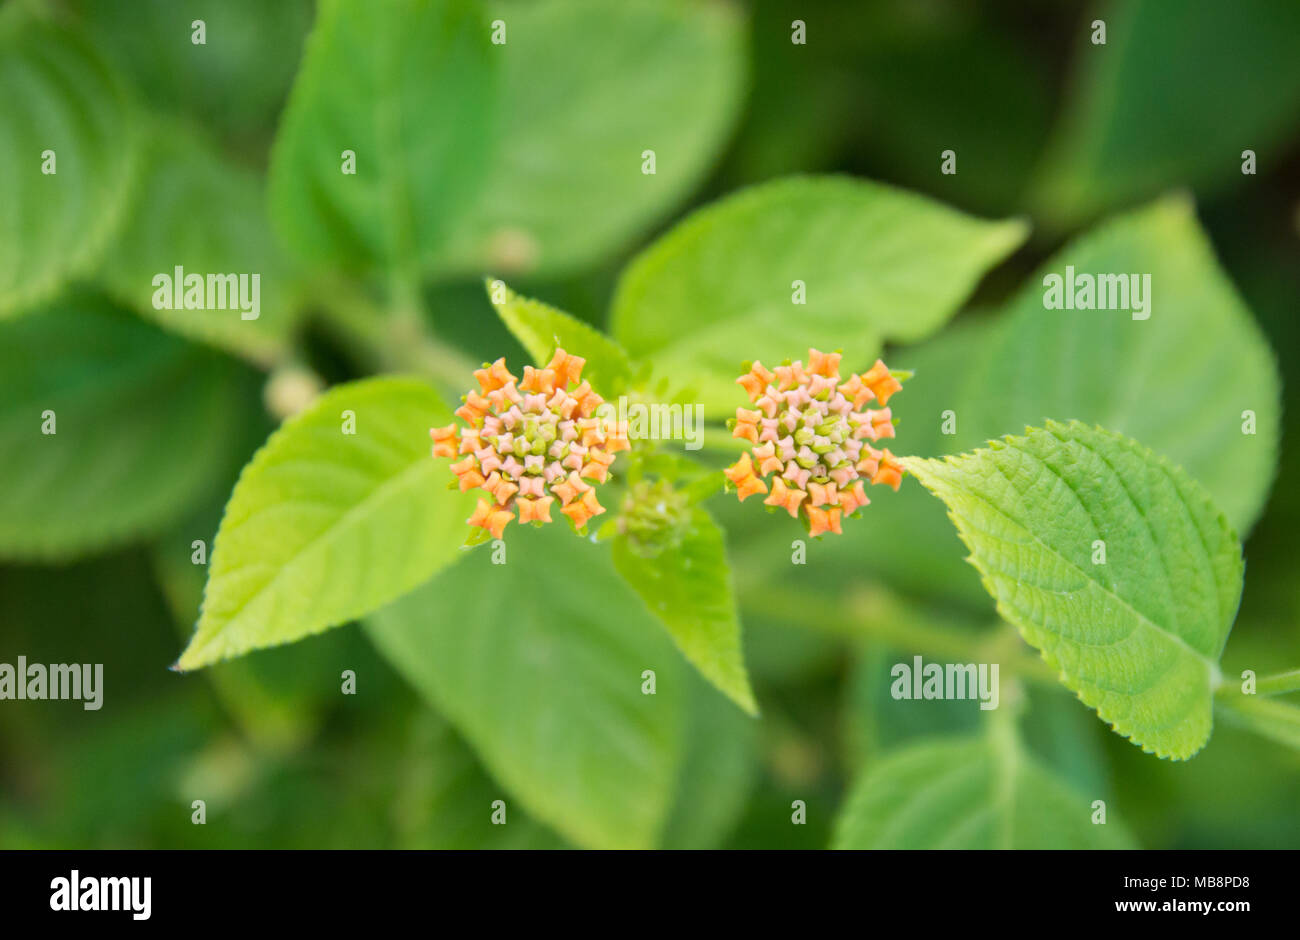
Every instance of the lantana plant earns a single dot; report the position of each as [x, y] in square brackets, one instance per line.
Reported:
[1107, 558]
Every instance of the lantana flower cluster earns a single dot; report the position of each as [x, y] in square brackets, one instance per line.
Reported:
[528, 444]
[813, 434]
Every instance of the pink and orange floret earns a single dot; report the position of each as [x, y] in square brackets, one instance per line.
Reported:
[531, 444]
[811, 433]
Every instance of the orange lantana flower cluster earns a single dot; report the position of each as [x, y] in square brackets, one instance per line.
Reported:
[812, 431]
[528, 444]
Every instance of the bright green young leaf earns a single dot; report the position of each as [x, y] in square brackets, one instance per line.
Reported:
[541, 328]
[687, 587]
[539, 664]
[1181, 382]
[339, 513]
[587, 88]
[407, 87]
[875, 263]
[1111, 561]
[1175, 96]
[67, 159]
[235, 80]
[969, 793]
[182, 179]
[102, 418]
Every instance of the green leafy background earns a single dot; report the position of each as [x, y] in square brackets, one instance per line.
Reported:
[520, 165]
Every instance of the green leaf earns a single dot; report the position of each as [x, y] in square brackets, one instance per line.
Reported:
[236, 80]
[325, 526]
[1174, 96]
[407, 85]
[183, 179]
[60, 97]
[969, 793]
[877, 263]
[687, 587]
[541, 328]
[142, 426]
[1179, 382]
[538, 663]
[566, 188]
[445, 799]
[1137, 636]
[718, 772]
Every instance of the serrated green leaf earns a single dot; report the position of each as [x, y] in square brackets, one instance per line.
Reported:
[969, 793]
[325, 526]
[143, 424]
[182, 179]
[1143, 103]
[1138, 637]
[538, 663]
[877, 263]
[566, 187]
[541, 328]
[60, 96]
[407, 85]
[687, 587]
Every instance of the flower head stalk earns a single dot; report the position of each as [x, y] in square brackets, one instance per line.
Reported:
[812, 433]
[531, 444]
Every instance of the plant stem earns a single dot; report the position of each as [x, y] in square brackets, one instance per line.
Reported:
[1279, 684]
[399, 342]
[873, 615]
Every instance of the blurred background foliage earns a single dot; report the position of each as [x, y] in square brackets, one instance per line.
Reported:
[1045, 125]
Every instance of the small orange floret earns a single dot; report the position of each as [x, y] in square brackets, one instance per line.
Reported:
[881, 382]
[581, 510]
[746, 425]
[827, 364]
[890, 471]
[444, 441]
[597, 466]
[492, 518]
[853, 499]
[588, 401]
[755, 381]
[567, 368]
[821, 521]
[741, 474]
[538, 380]
[494, 376]
[474, 409]
[787, 377]
[786, 497]
[822, 494]
[538, 509]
